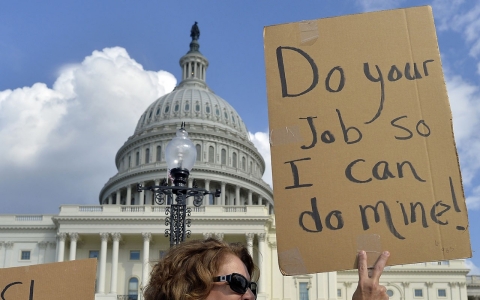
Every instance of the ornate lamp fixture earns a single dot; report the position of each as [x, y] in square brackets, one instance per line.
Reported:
[180, 155]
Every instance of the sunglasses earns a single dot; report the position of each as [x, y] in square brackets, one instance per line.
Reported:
[238, 283]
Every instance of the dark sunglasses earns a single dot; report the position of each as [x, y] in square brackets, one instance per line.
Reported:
[238, 283]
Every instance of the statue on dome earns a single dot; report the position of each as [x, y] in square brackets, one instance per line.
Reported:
[195, 32]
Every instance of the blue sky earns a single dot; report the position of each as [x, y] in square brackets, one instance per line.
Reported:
[76, 76]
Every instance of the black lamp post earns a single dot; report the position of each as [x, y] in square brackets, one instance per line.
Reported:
[180, 155]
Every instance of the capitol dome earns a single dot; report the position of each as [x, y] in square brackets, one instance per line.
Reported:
[192, 104]
[226, 158]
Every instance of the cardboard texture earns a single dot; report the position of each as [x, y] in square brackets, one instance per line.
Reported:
[73, 280]
[363, 153]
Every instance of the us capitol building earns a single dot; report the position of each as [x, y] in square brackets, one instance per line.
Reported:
[125, 232]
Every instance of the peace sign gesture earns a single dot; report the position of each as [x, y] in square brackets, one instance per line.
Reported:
[369, 287]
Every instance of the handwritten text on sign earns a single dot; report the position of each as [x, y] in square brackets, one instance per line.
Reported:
[335, 82]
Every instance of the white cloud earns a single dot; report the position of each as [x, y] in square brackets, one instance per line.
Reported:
[445, 11]
[374, 5]
[262, 142]
[62, 140]
[465, 104]
[27, 117]
[460, 16]
[473, 201]
[474, 270]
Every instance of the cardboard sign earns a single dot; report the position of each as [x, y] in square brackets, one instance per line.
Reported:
[363, 153]
[73, 280]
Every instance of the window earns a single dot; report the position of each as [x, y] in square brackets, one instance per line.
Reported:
[339, 292]
[159, 153]
[224, 157]
[93, 254]
[303, 289]
[217, 111]
[134, 254]
[25, 255]
[129, 161]
[390, 293]
[158, 111]
[244, 163]
[187, 106]
[167, 108]
[211, 153]
[199, 152]
[226, 115]
[234, 159]
[177, 107]
[150, 115]
[442, 293]
[137, 158]
[147, 155]
[133, 289]
[197, 107]
[207, 109]
[418, 293]
[211, 199]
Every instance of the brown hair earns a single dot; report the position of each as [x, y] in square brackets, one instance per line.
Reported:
[187, 270]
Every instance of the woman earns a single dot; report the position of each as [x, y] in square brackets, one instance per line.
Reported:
[214, 270]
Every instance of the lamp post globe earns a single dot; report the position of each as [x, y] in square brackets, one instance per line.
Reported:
[180, 155]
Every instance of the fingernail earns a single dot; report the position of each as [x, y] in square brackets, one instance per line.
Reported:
[386, 253]
[362, 252]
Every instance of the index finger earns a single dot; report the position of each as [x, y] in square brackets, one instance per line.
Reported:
[362, 265]
[379, 265]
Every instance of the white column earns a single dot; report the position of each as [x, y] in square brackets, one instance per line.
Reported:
[141, 196]
[222, 195]
[110, 199]
[73, 245]
[42, 248]
[430, 294]
[146, 257]
[117, 199]
[237, 195]
[129, 195]
[250, 237]
[249, 197]
[260, 198]
[8, 254]
[277, 281]
[113, 283]
[332, 285]
[53, 246]
[189, 201]
[103, 263]
[262, 262]
[2, 255]
[406, 290]
[206, 202]
[61, 246]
